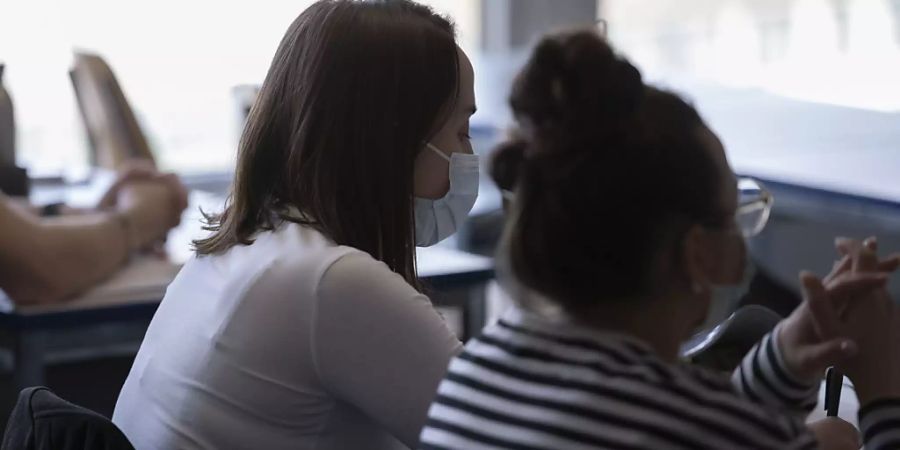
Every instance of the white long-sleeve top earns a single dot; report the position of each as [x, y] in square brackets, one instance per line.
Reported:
[292, 342]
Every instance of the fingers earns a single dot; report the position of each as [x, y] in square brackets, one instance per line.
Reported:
[846, 246]
[871, 243]
[179, 191]
[825, 318]
[889, 264]
[135, 170]
[866, 258]
[825, 303]
[861, 255]
[840, 266]
[828, 353]
[852, 291]
[147, 174]
[855, 284]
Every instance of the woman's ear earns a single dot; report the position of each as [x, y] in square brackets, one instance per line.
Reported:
[697, 258]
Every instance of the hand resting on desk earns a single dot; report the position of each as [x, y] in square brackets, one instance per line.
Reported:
[44, 260]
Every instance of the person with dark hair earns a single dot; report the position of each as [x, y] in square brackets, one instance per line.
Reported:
[624, 219]
[301, 324]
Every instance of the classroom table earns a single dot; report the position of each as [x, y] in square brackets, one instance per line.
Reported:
[97, 324]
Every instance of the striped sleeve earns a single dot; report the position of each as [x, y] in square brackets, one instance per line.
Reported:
[764, 378]
[508, 394]
[879, 424]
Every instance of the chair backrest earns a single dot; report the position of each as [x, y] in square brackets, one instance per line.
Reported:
[43, 421]
[724, 347]
[112, 128]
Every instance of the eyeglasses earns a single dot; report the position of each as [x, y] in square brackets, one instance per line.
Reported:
[754, 206]
[752, 214]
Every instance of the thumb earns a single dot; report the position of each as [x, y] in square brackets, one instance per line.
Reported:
[828, 353]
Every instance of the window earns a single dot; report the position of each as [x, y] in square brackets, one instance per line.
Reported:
[801, 91]
[178, 63]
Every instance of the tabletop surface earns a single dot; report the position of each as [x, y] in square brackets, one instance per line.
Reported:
[135, 291]
[826, 147]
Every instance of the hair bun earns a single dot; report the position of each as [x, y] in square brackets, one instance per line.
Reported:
[574, 84]
[506, 162]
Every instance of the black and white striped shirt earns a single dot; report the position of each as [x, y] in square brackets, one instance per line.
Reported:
[530, 383]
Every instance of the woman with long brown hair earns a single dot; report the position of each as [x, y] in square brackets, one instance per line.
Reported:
[300, 323]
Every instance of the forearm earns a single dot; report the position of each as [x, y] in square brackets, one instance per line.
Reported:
[764, 378]
[43, 261]
[23, 206]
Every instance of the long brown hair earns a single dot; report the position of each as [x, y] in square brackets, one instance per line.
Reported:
[353, 92]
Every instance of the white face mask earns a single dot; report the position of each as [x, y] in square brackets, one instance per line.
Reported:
[438, 219]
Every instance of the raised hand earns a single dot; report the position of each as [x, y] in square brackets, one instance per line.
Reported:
[818, 334]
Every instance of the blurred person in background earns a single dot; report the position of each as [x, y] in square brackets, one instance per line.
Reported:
[50, 254]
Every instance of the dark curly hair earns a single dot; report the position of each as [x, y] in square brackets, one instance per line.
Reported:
[609, 173]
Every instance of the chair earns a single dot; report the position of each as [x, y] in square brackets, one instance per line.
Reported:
[112, 128]
[43, 421]
[13, 179]
[724, 347]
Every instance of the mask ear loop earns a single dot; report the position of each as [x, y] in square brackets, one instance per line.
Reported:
[438, 151]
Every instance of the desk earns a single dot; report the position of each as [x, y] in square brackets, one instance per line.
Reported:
[90, 326]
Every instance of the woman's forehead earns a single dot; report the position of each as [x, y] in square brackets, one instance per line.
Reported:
[466, 101]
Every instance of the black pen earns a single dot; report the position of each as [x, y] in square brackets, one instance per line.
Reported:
[834, 381]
